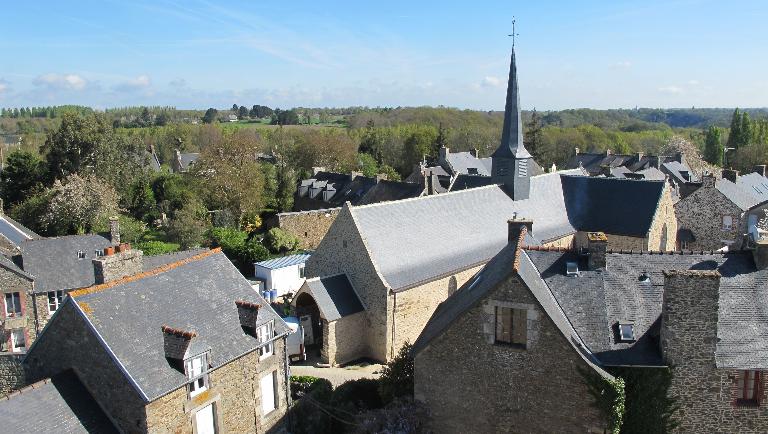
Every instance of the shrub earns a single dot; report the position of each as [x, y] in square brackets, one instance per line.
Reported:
[397, 376]
[280, 241]
[310, 414]
[153, 248]
[362, 394]
[403, 415]
[131, 229]
[301, 384]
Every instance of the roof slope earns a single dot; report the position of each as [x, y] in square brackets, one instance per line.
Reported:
[155, 261]
[285, 261]
[55, 264]
[416, 240]
[740, 197]
[754, 184]
[462, 162]
[334, 296]
[14, 232]
[197, 294]
[60, 405]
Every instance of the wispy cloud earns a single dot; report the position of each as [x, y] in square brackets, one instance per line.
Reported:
[491, 81]
[141, 82]
[672, 90]
[4, 85]
[61, 81]
[624, 64]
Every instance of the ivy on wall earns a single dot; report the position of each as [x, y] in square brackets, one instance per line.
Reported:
[649, 409]
[609, 397]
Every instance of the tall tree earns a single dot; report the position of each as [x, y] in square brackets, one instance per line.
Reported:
[440, 141]
[21, 176]
[734, 135]
[210, 115]
[713, 146]
[74, 145]
[745, 131]
[78, 203]
[532, 138]
[242, 112]
[235, 108]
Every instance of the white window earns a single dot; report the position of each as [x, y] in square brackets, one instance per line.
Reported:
[55, 299]
[265, 334]
[301, 271]
[80, 254]
[197, 374]
[12, 304]
[268, 393]
[18, 340]
[205, 420]
[727, 222]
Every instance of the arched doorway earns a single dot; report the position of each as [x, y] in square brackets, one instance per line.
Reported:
[308, 312]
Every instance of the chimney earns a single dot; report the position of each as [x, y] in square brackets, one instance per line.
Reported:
[708, 180]
[248, 312]
[118, 262]
[2, 204]
[553, 169]
[317, 169]
[381, 177]
[607, 152]
[597, 246]
[680, 157]
[517, 225]
[730, 175]
[760, 254]
[577, 151]
[689, 318]
[443, 153]
[474, 152]
[759, 169]
[176, 342]
[639, 156]
[114, 230]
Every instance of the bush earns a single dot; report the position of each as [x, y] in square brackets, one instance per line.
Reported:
[131, 229]
[280, 241]
[397, 376]
[301, 384]
[403, 415]
[306, 415]
[153, 248]
[362, 394]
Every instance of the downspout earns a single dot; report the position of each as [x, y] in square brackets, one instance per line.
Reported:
[287, 382]
[394, 315]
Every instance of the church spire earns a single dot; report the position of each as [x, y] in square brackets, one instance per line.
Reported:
[512, 135]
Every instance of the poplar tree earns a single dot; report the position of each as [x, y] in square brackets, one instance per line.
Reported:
[735, 133]
[713, 146]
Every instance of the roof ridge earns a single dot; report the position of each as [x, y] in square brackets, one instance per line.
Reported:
[134, 277]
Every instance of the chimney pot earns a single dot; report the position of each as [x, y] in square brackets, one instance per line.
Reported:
[708, 180]
[176, 342]
[578, 151]
[474, 152]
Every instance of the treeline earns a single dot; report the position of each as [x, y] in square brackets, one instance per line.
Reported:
[49, 112]
[742, 146]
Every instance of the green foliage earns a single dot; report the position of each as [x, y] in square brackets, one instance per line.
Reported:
[285, 117]
[358, 394]
[301, 384]
[74, 145]
[171, 192]
[131, 229]
[189, 225]
[311, 413]
[31, 210]
[368, 165]
[240, 249]
[418, 145]
[210, 115]
[713, 146]
[139, 199]
[609, 397]
[649, 409]
[22, 176]
[280, 241]
[153, 248]
[397, 376]
[78, 204]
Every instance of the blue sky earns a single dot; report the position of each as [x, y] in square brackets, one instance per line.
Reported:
[197, 54]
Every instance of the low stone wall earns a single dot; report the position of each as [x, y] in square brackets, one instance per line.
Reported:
[309, 227]
[11, 373]
[342, 341]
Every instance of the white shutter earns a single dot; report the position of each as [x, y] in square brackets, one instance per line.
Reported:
[267, 394]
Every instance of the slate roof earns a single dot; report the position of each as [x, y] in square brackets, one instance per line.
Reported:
[682, 173]
[197, 294]
[14, 231]
[285, 261]
[462, 162]
[54, 262]
[358, 190]
[597, 300]
[466, 182]
[740, 197]
[386, 190]
[754, 184]
[10, 265]
[59, 405]
[334, 296]
[155, 261]
[188, 159]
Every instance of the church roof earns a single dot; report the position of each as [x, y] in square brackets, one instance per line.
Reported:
[512, 133]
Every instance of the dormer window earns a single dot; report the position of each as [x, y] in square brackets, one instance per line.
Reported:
[644, 278]
[571, 268]
[264, 334]
[98, 253]
[80, 254]
[196, 369]
[626, 332]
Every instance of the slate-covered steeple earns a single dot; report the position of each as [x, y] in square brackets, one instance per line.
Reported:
[510, 161]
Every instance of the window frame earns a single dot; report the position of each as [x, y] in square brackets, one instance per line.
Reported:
[15, 340]
[272, 376]
[18, 307]
[265, 334]
[729, 227]
[515, 315]
[746, 382]
[195, 388]
[58, 299]
[302, 274]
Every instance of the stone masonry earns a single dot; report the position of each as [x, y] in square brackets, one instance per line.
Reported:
[688, 342]
[510, 389]
[341, 339]
[308, 226]
[702, 213]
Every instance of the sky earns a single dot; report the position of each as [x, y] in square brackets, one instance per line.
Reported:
[198, 54]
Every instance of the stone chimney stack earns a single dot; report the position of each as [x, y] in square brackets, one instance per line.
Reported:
[730, 175]
[607, 152]
[689, 319]
[680, 157]
[474, 152]
[639, 156]
[117, 262]
[381, 177]
[597, 246]
[760, 254]
[759, 169]
[708, 180]
[248, 312]
[577, 151]
[176, 342]
[114, 231]
[516, 226]
[443, 153]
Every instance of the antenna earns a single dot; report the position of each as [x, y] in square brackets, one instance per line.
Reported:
[513, 32]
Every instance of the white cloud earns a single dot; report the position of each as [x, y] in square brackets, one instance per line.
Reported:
[491, 81]
[693, 82]
[61, 81]
[3, 85]
[673, 90]
[141, 82]
[624, 64]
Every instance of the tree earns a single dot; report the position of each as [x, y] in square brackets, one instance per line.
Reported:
[713, 146]
[744, 137]
[78, 203]
[189, 225]
[440, 141]
[210, 115]
[162, 119]
[532, 139]
[416, 147]
[74, 145]
[254, 112]
[235, 108]
[242, 113]
[397, 376]
[368, 165]
[280, 241]
[22, 176]
[734, 135]
[146, 117]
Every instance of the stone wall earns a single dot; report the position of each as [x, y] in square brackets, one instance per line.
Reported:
[13, 282]
[118, 265]
[12, 375]
[414, 307]
[471, 385]
[64, 346]
[308, 226]
[343, 250]
[234, 391]
[7, 247]
[705, 394]
[662, 235]
[702, 213]
[342, 341]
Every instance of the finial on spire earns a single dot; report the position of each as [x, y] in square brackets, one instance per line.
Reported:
[513, 32]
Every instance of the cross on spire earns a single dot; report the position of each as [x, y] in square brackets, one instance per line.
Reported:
[513, 32]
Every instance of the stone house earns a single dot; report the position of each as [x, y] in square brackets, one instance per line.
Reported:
[403, 258]
[721, 212]
[308, 226]
[183, 162]
[186, 347]
[17, 323]
[580, 311]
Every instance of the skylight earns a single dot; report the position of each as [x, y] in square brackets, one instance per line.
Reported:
[644, 278]
[626, 332]
[571, 268]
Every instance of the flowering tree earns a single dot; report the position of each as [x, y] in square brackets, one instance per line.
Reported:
[77, 204]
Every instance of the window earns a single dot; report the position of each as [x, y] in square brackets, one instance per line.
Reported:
[205, 420]
[269, 393]
[18, 340]
[511, 326]
[55, 299]
[80, 254]
[301, 271]
[265, 334]
[571, 269]
[197, 374]
[727, 223]
[748, 388]
[626, 332]
[12, 304]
